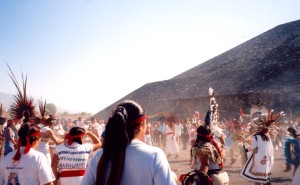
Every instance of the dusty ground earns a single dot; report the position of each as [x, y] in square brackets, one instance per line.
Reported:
[181, 166]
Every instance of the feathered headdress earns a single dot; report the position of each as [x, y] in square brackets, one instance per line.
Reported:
[1, 109]
[23, 107]
[46, 118]
[2, 118]
[213, 108]
[266, 123]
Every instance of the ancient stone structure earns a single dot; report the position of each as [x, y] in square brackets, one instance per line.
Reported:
[265, 68]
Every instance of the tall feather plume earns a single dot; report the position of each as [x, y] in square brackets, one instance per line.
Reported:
[23, 106]
[44, 114]
[269, 117]
[42, 108]
[1, 110]
[268, 120]
[2, 118]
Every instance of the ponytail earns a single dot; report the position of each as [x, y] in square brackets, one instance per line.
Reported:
[121, 128]
[27, 135]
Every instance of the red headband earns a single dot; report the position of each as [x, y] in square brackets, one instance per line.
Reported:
[208, 136]
[70, 138]
[27, 147]
[139, 120]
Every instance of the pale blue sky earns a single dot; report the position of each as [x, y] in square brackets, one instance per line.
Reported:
[86, 54]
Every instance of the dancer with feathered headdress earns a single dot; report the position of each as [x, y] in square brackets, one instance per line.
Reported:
[23, 106]
[45, 123]
[25, 165]
[206, 153]
[259, 166]
[212, 120]
[22, 109]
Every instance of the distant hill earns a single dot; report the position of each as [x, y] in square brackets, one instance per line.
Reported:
[5, 99]
[265, 68]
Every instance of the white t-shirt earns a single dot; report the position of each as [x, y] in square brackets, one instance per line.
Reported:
[144, 164]
[32, 169]
[74, 157]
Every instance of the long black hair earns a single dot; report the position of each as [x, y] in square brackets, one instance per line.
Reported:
[121, 128]
[27, 135]
[202, 131]
[263, 134]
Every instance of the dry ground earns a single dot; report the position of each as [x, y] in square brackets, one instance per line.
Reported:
[181, 166]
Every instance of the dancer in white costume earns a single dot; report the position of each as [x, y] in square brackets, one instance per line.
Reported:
[44, 123]
[259, 166]
[171, 143]
[178, 131]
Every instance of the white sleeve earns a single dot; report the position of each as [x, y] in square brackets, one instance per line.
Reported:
[89, 177]
[253, 143]
[44, 170]
[162, 170]
[2, 174]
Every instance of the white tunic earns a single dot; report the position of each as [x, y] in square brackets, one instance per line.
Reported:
[171, 143]
[259, 166]
[144, 165]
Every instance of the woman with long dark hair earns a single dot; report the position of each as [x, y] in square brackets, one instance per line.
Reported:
[125, 159]
[26, 165]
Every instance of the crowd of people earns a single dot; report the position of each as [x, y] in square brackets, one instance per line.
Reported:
[45, 150]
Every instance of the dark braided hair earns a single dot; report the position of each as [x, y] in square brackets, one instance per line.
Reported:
[121, 128]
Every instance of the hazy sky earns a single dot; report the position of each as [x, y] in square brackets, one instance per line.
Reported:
[84, 55]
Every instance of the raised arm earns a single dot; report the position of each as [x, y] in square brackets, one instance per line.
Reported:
[54, 138]
[96, 142]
